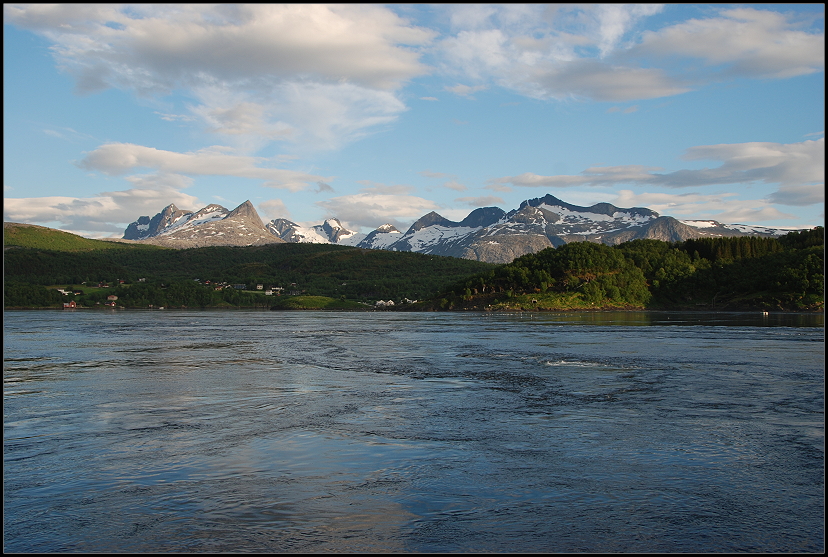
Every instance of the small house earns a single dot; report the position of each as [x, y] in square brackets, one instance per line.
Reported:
[71, 304]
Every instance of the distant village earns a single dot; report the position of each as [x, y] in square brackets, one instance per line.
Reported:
[292, 290]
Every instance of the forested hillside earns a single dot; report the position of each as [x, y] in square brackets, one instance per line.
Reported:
[711, 273]
[205, 277]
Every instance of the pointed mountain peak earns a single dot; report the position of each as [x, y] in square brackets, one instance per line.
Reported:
[387, 227]
[334, 230]
[246, 210]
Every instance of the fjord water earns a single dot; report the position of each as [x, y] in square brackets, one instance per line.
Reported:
[183, 430]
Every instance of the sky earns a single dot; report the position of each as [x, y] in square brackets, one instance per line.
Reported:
[382, 113]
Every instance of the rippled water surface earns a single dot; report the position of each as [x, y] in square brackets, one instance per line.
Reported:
[268, 431]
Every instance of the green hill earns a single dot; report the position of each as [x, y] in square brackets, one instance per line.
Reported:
[40, 237]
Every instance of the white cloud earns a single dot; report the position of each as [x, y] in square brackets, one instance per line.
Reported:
[118, 158]
[597, 80]
[311, 116]
[105, 214]
[744, 41]
[330, 115]
[274, 209]
[161, 46]
[799, 169]
[378, 205]
[239, 117]
[598, 52]
[693, 206]
[786, 164]
[803, 195]
[151, 182]
[615, 20]
[312, 74]
[553, 53]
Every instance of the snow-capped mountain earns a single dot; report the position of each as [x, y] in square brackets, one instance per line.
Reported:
[211, 226]
[486, 234]
[381, 238]
[490, 234]
[329, 232]
[715, 228]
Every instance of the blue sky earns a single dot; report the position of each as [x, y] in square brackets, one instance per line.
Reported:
[378, 114]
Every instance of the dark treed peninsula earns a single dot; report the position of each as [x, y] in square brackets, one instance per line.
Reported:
[48, 268]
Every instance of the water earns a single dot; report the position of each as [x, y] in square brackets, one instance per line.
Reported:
[163, 431]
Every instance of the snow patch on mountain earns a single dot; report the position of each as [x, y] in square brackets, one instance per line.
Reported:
[208, 214]
[433, 235]
[700, 223]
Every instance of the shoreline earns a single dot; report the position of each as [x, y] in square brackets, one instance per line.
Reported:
[410, 310]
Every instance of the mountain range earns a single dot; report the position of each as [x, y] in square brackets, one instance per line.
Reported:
[487, 234]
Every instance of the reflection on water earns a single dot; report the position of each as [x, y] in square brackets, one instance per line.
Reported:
[383, 432]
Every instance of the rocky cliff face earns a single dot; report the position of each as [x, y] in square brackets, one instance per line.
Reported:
[145, 227]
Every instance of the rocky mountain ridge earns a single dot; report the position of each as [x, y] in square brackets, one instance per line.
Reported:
[213, 225]
[487, 234]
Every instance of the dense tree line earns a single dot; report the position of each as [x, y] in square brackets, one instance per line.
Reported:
[595, 271]
[21, 294]
[716, 249]
[711, 273]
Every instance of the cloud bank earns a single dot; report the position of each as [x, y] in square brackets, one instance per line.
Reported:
[116, 159]
[597, 52]
[798, 168]
[315, 75]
